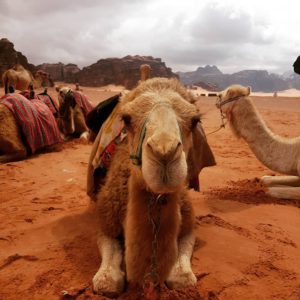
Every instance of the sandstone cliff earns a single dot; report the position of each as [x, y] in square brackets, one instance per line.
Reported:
[9, 57]
[121, 71]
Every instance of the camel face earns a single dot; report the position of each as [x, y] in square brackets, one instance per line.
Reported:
[233, 93]
[159, 126]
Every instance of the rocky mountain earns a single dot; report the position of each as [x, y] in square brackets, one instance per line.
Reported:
[125, 71]
[60, 71]
[259, 80]
[9, 57]
[121, 71]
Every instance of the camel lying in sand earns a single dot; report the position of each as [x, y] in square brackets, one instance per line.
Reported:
[73, 110]
[20, 79]
[24, 131]
[278, 153]
[145, 195]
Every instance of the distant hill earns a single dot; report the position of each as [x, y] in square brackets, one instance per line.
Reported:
[60, 71]
[125, 71]
[259, 80]
[122, 71]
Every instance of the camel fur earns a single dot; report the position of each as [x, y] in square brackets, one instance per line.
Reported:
[145, 71]
[280, 154]
[162, 107]
[71, 121]
[20, 79]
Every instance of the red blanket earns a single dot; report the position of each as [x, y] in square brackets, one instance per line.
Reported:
[35, 119]
[49, 102]
[83, 102]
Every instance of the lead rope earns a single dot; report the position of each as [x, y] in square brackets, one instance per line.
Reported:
[151, 279]
[222, 124]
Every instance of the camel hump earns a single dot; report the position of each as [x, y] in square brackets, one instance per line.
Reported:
[18, 67]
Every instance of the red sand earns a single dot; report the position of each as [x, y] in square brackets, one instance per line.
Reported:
[247, 243]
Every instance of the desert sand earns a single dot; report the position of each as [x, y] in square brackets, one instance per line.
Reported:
[247, 243]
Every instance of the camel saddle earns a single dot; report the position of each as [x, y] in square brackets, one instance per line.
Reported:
[35, 119]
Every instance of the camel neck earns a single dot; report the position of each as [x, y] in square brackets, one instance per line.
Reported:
[277, 153]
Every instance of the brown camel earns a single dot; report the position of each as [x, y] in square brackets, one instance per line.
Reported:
[25, 131]
[73, 109]
[278, 153]
[20, 79]
[145, 195]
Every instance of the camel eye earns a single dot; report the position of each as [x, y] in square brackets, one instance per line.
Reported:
[126, 118]
[194, 122]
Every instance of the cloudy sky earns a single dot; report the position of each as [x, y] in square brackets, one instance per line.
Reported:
[231, 34]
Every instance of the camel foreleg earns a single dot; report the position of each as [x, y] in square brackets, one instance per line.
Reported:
[110, 279]
[281, 180]
[181, 274]
[284, 192]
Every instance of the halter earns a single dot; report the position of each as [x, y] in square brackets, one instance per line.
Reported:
[136, 156]
[219, 105]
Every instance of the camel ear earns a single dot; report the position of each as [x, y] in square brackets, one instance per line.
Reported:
[199, 156]
[248, 90]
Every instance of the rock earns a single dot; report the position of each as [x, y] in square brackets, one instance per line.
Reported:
[60, 71]
[121, 71]
[9, 57]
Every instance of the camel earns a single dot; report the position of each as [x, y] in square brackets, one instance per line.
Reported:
[145, 70]
[144, 198]
[20, 79]
[25, 131]
[278, 153]
[73, 110]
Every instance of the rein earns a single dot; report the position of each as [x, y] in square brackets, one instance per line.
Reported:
[151, 279]
[223, 117]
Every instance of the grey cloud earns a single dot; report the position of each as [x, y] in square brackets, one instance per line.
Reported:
[84, 31]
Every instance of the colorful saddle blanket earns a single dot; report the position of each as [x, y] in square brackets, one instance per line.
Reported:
[35, 119]
[49, 102]
[83, 102]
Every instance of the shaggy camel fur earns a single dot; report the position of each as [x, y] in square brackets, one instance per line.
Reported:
[145, 71]
[278, 153]
[20, 79]
[71, 121]
[147, 181]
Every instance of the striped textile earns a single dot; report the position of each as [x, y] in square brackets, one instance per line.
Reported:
[83, 102]
[35, 120]
[49, 102]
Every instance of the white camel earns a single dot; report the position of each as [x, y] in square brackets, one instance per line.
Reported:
[279, 154]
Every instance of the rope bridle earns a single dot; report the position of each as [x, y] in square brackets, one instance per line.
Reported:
[223, 116]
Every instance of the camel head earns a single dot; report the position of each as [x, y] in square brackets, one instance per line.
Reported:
[159, 120]
[62, 91]
[66, 110]
[227, 98]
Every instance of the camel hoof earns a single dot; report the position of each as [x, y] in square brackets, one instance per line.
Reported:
[179, 278]
[85, 135]
[109, 282]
